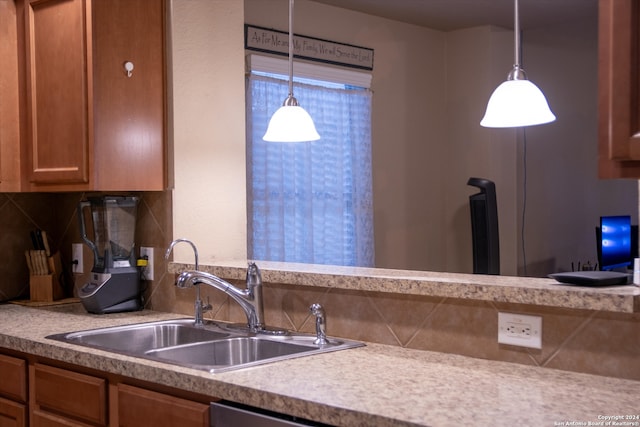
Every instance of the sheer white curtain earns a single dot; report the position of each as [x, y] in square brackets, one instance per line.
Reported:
[310, 202]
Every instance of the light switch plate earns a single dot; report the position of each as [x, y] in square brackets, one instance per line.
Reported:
[520, 329]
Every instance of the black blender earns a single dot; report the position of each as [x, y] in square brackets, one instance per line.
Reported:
[115, 279]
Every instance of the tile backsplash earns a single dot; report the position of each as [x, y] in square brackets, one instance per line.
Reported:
[56, 213]
[574, 340]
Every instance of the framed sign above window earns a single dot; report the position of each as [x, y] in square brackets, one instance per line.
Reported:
[277, 42]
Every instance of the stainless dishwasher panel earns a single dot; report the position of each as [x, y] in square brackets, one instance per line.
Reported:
[228, 414]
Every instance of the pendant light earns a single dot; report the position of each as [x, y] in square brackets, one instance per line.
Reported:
[517, 101]
[291, 123]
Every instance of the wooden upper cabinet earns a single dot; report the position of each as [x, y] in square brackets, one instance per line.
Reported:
[58, 91]
[129, 109]
[619, 89]
[91, 125]
[9, 99]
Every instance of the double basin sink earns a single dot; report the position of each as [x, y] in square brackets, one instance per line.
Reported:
[214, 347]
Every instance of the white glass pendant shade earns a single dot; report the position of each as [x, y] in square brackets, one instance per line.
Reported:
[517, 103]
[291, 123]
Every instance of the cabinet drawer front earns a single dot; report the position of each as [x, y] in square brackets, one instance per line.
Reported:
[43, 419]
[13, 372]
[138, 407]
[70, 393]
[12, 414]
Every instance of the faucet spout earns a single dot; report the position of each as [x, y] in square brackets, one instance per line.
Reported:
[250, 299]
[199, 307]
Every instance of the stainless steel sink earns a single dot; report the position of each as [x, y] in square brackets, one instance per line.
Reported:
[139, 338]
[215, 347]
[229, 352]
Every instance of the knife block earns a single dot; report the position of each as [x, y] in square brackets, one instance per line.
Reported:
[47, 287]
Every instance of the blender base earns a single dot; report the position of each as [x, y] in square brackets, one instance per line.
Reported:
[112, 292]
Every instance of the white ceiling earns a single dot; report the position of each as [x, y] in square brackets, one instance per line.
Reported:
[447, 15]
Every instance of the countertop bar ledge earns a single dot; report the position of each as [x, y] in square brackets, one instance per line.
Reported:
[518, 290]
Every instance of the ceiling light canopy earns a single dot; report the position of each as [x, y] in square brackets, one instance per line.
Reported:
[517, 101]
[291, 123]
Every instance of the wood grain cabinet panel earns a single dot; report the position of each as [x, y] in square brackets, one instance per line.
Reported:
[91, 125]
[13, 372]
[138, 407]
[58, 91]
[129, 147]
[70, 394]
[12, 414]
[619, 89]
[9, 99]
[44, 419]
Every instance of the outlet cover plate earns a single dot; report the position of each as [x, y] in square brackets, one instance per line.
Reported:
[147, 271]
[520, 329]
[76, 257]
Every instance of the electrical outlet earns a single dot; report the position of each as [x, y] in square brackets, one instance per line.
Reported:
[147, 272]
[520, 329]
[76, 256]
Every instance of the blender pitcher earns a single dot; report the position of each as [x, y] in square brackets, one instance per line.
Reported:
[115, 279]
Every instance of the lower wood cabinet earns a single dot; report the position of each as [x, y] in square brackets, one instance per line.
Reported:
[13, 391]
[39, 392]
[67, 394]
[46, 419]
[138, 407]
[12, 414]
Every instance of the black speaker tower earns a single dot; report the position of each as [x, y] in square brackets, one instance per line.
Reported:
[484, 227]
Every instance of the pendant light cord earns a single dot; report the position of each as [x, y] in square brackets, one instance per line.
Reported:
[524, 198]
[291, 48]
[516, 30]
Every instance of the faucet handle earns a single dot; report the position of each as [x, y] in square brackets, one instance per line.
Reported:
[206, 307]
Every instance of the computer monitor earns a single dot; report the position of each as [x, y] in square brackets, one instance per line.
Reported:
[617, 242]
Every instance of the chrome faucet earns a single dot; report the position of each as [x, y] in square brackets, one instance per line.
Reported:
[250, 299]
[321, 324]
[200, 307]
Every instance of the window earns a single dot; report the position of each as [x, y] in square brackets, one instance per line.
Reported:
[310, 202]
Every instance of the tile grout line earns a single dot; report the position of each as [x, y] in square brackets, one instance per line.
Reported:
[384, 319]
[579, 329]
[424, 321]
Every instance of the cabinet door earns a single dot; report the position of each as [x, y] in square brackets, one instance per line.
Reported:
[138, 407]
[9, 104]
[13, 372]
[12, 414]
[619, 89]
[129, 108]
[59, 391]
[58, 53]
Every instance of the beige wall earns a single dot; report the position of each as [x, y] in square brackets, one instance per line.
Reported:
[209, 132]
[408, 123]
[430, 91]
[475, 56]
[565, 198]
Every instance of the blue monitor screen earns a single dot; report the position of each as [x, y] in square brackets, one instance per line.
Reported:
[615, 241]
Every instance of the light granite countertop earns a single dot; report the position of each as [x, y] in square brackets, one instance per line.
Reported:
[375, 385]
[519, 290]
